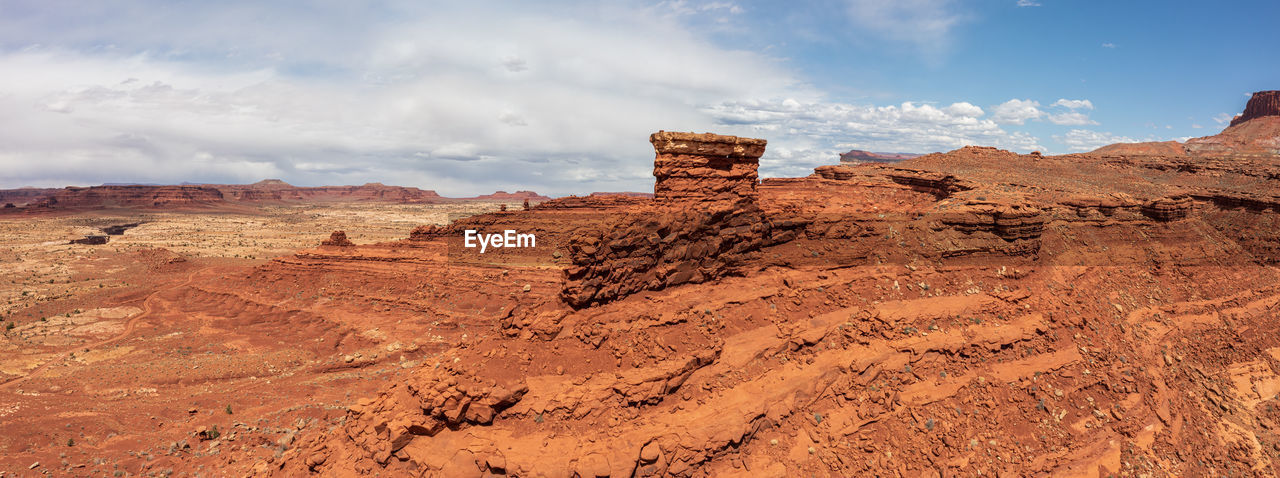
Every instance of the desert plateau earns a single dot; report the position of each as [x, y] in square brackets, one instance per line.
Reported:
[954, 314]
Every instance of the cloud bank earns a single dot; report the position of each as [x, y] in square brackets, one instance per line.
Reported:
[460, 98]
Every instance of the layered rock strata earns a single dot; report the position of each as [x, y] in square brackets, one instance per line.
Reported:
[705, 226]
[1262, 103]
[705, 167]
[652, 251]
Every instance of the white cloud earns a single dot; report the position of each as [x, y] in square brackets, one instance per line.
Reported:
[964, 109]
[1071, 118]
[1073, 104]
[924, 24]
[823, 130]
[448, 97]
[1016, 111]
[1108, 45]
[1223, 118]
[1028, 3]
[483, 102]
[1079, 140]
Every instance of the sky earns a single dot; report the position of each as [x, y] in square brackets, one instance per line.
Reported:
[560, 96]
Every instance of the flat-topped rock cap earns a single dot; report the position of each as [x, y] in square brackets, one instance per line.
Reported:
[1262, 103]
[706, 144]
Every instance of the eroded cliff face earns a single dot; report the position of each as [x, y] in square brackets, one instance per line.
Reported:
[703, 223]
[1254, 132]
[135, 196]
[1262, 103]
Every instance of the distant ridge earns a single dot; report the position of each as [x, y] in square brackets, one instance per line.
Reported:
[860, 156]
[1256, 131]
[206, 195]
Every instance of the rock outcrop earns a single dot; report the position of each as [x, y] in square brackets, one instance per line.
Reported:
[1254, 132]
[705, 167]
[1170, 208]
[516, 196]
[858, 156]
[91, 240]
[705, 225]
[1262, 103]
[337, 239]
[662, 248]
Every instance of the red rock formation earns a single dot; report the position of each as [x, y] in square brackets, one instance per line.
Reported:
[1160, 148]
[337, 238]
[706, 225]
[1009, 221]
[859, 156]
[276, 190]
[662, 248]
[705, 167]
[24, 196]
[1169, 208]
[1254, 132]
[1262, 103]
[940, 185]
[506, 196]
[135, 196]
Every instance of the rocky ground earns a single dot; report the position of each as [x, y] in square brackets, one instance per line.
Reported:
[113, 355]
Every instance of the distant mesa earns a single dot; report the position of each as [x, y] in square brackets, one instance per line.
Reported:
[218, 195]
[1160, 148]
[271, 184]
[1261, 104]
[516, 196]
[858, 156]
[1256, 131]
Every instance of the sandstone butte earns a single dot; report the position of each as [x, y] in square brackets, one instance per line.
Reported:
[966, 313]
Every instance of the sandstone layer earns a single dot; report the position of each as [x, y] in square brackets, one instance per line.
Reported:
[705, 167]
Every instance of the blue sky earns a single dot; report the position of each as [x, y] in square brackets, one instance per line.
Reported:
[560, 96]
